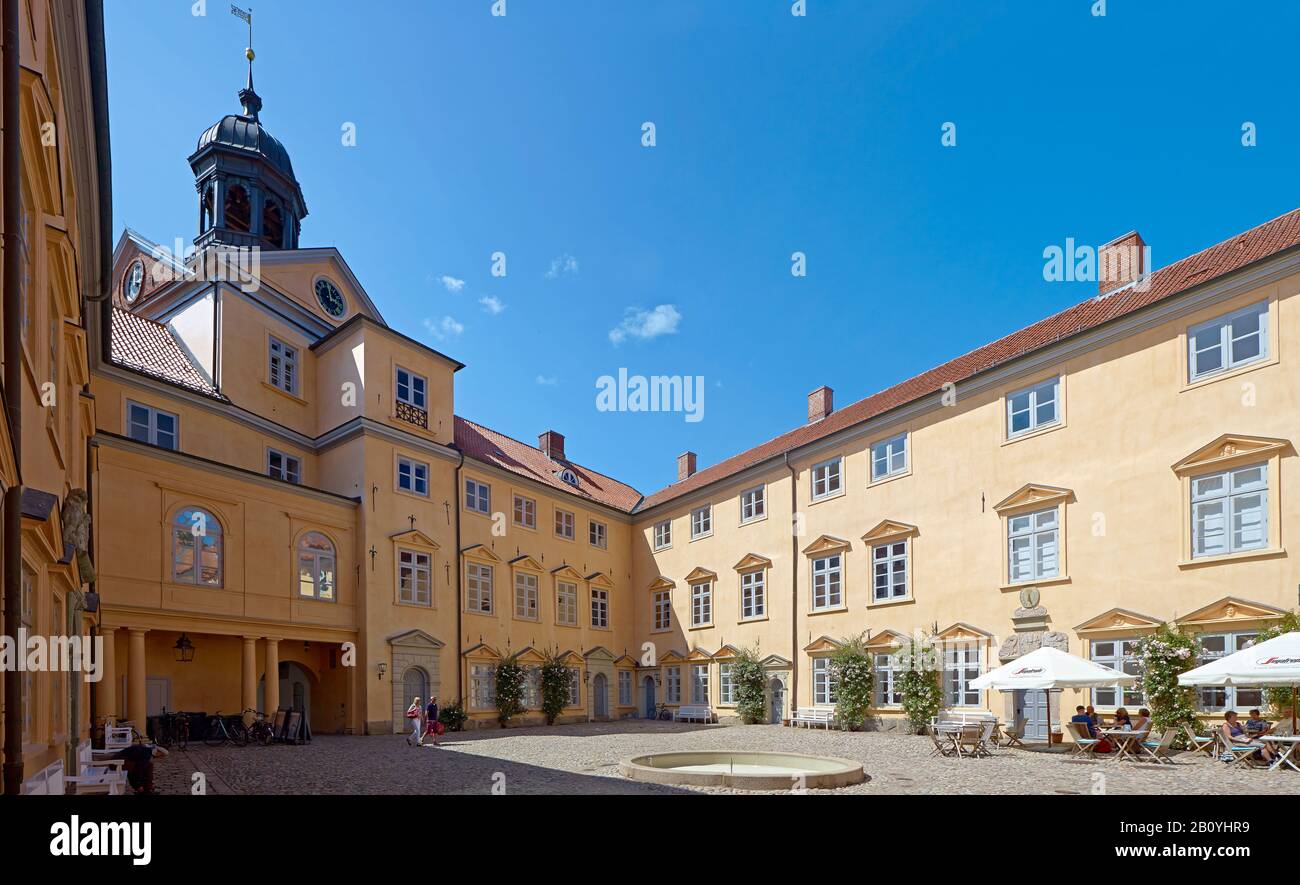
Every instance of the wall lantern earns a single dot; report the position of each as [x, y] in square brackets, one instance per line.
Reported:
[184, 649]
[382, 669]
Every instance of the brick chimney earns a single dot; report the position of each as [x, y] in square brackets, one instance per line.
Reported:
[1121, 262]
[820, 403]
[685, 465]
[552, 445]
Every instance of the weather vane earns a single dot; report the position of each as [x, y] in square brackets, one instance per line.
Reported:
[247, 17]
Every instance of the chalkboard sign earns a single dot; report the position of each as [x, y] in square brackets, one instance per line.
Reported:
[277, 727]
[291, 729]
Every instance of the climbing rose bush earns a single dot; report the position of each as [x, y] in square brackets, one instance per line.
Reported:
[918, 681]
[749, 683]
[1161, 657]
[510, 689]
[855, 681]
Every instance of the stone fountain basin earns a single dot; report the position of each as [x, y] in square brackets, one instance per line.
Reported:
[744, 770]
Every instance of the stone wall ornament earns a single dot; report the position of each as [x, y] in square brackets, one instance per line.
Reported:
[1029, 597]
[75, 518]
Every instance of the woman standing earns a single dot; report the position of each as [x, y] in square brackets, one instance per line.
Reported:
[431, 719]
[417, 725]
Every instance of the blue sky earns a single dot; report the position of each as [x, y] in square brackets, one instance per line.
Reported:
[775, 134]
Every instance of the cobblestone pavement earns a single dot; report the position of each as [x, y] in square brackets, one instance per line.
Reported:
[584, 758]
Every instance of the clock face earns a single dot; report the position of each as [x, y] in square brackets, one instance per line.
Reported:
[330, 298]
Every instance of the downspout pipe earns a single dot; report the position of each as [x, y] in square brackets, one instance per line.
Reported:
[455, 508]
[794, 584]
[13, 394]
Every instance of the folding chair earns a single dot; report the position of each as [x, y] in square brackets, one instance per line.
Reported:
[1199, 743]
[1237, 753]
[1014, 734]
[1158, 750]
[985, 739]
[1085, 745]
[943, 745]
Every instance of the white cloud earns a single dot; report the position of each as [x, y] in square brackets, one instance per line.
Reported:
[492, 304]
[563, 266]
[452, 284]
[646, 324]
[445, 328]
[547, 381]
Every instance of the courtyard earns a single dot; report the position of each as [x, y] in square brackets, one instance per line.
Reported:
[583, 759]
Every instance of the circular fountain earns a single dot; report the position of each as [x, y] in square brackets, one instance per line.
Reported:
[744, 770]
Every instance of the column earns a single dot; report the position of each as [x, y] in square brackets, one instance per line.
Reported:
[135, 687]
[106, 689]
[250, 677]
[272, 700]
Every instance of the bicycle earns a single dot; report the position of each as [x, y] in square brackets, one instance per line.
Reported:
[260, 731]
[664, 714]
[222, 732]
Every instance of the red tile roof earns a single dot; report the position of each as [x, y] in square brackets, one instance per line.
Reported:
[499, 450]
[150, 348]
[1233, 254]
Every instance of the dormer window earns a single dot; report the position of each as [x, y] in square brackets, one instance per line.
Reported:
[568, 476]
[134, 281]
[412, 398]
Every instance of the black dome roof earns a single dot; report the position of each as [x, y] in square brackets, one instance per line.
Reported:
[245, 133]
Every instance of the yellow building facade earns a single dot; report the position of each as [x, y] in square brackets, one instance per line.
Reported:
[284, 487]
[55, 258]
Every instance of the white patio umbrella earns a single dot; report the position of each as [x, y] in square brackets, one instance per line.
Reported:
[1047, 669]
[1275, 661]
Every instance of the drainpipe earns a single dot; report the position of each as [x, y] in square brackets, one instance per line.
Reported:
[794, 586]
[455, 508]
[13, 395]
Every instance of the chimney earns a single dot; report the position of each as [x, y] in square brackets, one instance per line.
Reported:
[820, 403]
[685, 465]
[1121, 262]
[552, 445]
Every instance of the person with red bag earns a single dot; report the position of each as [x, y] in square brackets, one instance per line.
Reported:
[433, 726]
[417, 727]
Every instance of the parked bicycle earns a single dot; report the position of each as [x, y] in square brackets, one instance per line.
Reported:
[260, 732]
[664, 713]
[172, 729]
[225, 730]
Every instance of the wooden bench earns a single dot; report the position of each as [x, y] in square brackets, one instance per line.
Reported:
[693, 713]
[810, 716]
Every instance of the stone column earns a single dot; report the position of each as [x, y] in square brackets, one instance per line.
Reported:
[106, 688]
[272, 696]
[249, 677]
[135, 691]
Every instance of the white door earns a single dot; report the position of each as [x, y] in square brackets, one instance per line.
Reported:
[158, 695]
[778, 702]
[1031, 706]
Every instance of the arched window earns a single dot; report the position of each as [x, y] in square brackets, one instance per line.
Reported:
[273, 224]
[208, 209]
[239, 212]
[196, 548]
[316, 567]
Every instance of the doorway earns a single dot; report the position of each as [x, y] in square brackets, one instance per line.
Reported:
[157, 694]
[1031, 708]
[600, 696]
[648, 692]
[778, 701]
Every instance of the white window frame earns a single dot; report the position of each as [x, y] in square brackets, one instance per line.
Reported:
[726, 687]
[753, 595]
[289, 469]
[625, 688]
[700, 684]
[828, 478]
[825, 685]
[526, 603]
[597, 534]
[828, 582]
[887, 692]
[1118, 654]
[753, 505]
[662, 610]
[409, 473]
[600, 608]
[479, 579]
[895, 553]
[963, 662]
[322, 563]
[566, 603]
[1034, 399]
[889, 457]
[1234, 491]
[417, 389]
[673, 685]
[1041, 537]
[414, 577]
[702, 522]
[524, 511]
[702, 604]
[478, 496]
[565, 524]
[282, 365]
[1208, 697]
[1227, 341]
[663, 534]
[483, 686]
[152, 431]
[575, 687]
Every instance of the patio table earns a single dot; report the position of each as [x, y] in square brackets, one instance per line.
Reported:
[1287, 756]
[1125, 740]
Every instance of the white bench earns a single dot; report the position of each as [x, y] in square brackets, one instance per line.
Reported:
[693, 713]
[810, 716]
[104, 777]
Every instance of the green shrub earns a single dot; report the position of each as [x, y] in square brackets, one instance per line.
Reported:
[555, 687]
[918, 682]
[750, 684]
[510, 679]
[1163, 655]
[855, 681]
[453, 716]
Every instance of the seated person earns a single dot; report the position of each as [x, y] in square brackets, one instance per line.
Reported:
[1234, 735]
[1256, 725]
[1122, 720]
[1095, 717]
[1143, 720]
[138, 759]
[1080, 717]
